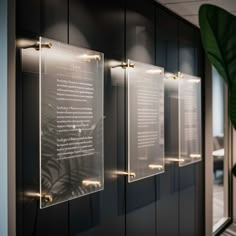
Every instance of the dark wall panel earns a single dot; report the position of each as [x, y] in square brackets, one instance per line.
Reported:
[186, 213]
[28, 17]
[199, 200]
[98, 25]
[167, 207]
[167, 215]
[140, 30]
[166, 40]
[187, 45]
[37, 19]
[187, 200]
[140, 46]
[187, 173]
[103, 31]
[167, 56]
[53, 19]
[142, 221]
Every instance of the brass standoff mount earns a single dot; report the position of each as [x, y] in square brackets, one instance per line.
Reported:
[124, 65]
[37, 196]
[37, 46]
[170, 159]
[178, 75]
[131, 174]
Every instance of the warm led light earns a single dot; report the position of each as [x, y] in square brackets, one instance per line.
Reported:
[154, 71]
[193, 80]
[132, 174]
[90, 57]
[32, 194]
[45, 197]
[195, 155]
[91, 183]
[175, 159]
[160, 167]
[24, 43]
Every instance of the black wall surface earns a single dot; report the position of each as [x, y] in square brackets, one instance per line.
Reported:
[170, 204]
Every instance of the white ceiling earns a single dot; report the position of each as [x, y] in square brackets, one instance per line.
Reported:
[188, 9]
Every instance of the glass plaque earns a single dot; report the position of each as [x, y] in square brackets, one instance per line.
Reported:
[71, 122]
[171, 119]
[189, 120]
[145, 120]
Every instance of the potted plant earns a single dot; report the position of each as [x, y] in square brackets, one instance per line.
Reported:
[218, 33]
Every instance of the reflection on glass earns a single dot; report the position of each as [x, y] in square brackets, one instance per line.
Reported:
[71, 122]
[145, 120]
[171, 119]
[189, 119]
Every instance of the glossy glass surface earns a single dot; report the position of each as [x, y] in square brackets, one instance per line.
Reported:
[189, 120]
[171, 120]
[145, 120]
[71, 122]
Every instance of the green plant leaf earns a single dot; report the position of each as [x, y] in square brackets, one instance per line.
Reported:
[218, 35]
[232, 105]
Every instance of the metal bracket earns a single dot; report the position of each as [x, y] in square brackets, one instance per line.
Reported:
[153, 166]
[124, 65]
[37, 46]
[88, 58]
[174, 160]
[37, 196]
[94, 183]
[178, 75]
[132, 174]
